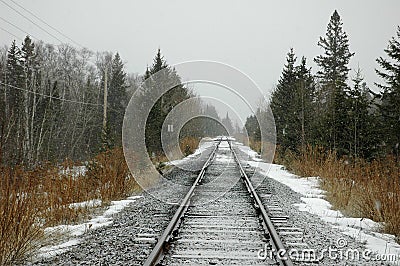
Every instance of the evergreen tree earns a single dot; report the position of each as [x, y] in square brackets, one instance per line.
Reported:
[156, 116]
[292, 104]
[14, 102]
[282, 101]
[333, 75]
[14, 77]
[390, 103]
[253, 128]
[362, 136]
[117, 101]
[303, 105]
[227, 122]
[156, 82]
[159, 63]
[28, 59]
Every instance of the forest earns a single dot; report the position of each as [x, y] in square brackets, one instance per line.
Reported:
[53, 103]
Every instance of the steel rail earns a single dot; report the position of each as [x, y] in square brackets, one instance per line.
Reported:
[158, 251]
[276, 241]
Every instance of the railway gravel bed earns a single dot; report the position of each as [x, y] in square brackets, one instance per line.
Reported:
[134, 232]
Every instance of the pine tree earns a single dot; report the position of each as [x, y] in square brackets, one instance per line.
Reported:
[14, 102]
[14, 76]
[390, 103]
[159, 63]
[253, 128]
[117, 99]
[304, 112]
[333, 75]
[156, 116]
[227, 122]
[282, 101]
[362, 136]
[159, 77]
[28, 58]
[292, 104]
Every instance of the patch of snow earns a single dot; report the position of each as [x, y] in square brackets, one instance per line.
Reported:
[117, 206]
[51, 251]
[75, 171]
[79, 229]
[224, 138]
[224, 145]
[86, 204]
[222, 158]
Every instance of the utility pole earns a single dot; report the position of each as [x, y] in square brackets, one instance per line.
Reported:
[105, 104]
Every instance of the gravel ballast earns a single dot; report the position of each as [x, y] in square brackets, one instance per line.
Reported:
[134, 231]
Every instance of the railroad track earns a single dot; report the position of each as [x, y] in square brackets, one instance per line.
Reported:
[231, 228]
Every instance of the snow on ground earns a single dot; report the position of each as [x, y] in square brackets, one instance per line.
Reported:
[224, 159]
[86, 204]
[76, 230]
[362, 229]
[75, 171]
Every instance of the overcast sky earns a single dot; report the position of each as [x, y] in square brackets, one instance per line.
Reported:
[253, 36]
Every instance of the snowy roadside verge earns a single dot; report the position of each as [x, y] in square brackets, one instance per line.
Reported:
[361, 229]
[74, 231]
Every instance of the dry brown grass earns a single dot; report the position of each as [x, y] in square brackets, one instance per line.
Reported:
[255, 145]
[32, 200]
[358, 188]
[111, 176]
[188, 145]
[268, 152]
[19, 225]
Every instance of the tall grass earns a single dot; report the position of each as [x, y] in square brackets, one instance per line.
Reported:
[31, 200]
[110, 174]
[358, 187]
[264, 148]
[20, 228]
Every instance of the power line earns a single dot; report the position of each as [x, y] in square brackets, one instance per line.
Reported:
[38, 18]
[31, 21]
[15, 26]
[43, 21]
[48, 96]
[55, 98]
[11, 34]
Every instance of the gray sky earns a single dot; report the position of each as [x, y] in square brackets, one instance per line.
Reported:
[253, 36]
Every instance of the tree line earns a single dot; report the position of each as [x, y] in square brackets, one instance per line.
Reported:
[53, 105]
[52, 102]
[330, 110]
